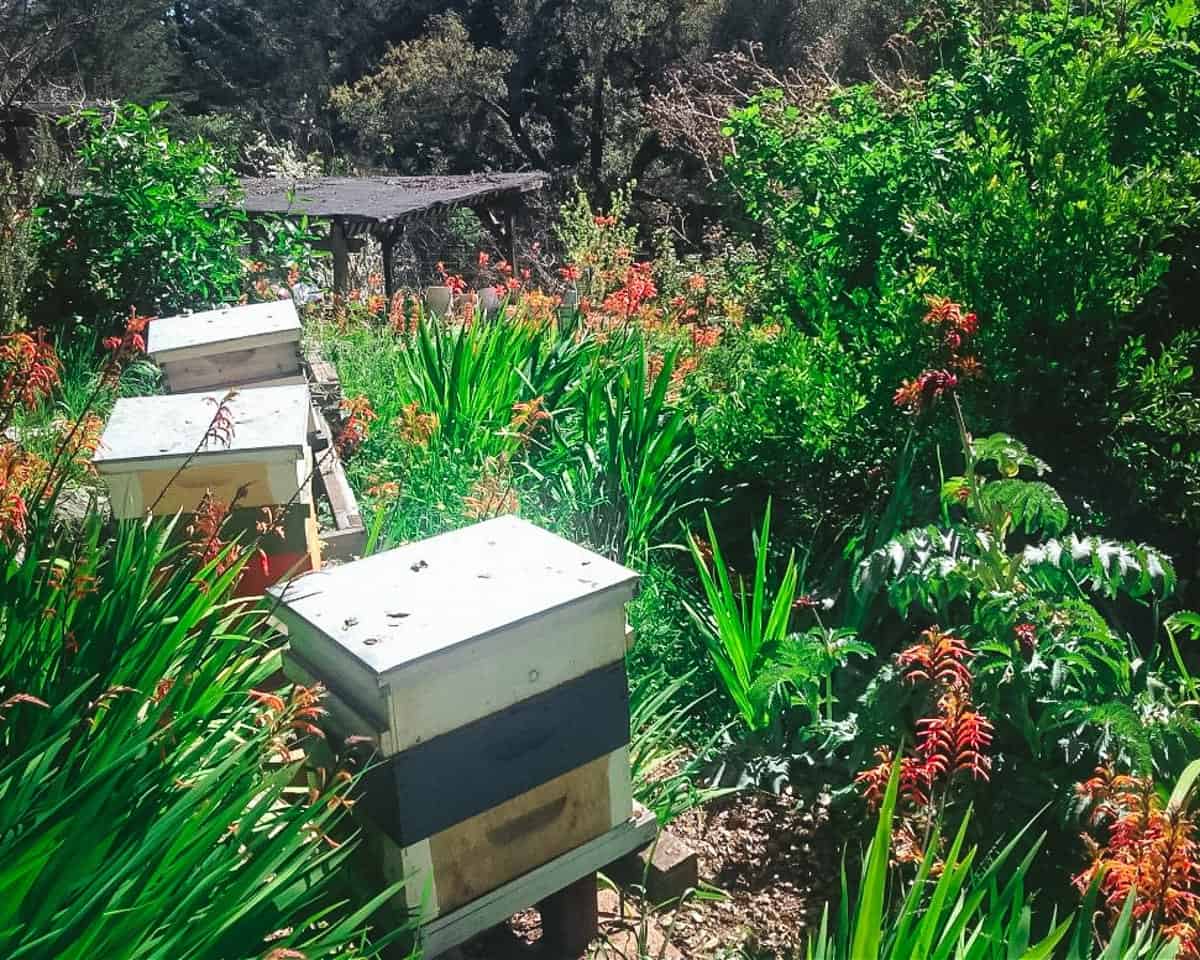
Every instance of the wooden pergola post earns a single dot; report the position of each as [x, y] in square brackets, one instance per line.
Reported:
[500, 219]
[510, 228]
[387, 244]
[341, 255]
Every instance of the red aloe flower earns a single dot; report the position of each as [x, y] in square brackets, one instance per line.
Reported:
[357, 427]
[940, 657]
[1026, 634]
[1151, 853]
[30, 368]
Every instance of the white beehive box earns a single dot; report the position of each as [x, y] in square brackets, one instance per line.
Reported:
[487, 664]
[253, 345]
[147, 441]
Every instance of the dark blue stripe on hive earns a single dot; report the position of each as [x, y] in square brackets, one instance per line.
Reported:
[457, 775]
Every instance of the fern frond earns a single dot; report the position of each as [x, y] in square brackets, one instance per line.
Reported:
[1104, 566]
[1008, 454]
[1116, 726]
[925, 565]
[1034, 506]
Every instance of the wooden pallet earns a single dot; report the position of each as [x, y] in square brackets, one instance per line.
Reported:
[545, 885]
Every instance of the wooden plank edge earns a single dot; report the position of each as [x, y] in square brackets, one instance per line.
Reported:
[204, 458]
[342, 501]
[349, 536]
[213, 349]
[458, 926]
[285, 380]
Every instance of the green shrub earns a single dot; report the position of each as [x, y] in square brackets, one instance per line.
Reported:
[770, 403]
[1039, 175]
[781, 413]
[1155, 418]
[152, 222]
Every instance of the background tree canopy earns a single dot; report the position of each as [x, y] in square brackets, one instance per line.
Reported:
[611, 90]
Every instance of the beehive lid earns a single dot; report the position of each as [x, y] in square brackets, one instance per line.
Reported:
[269, 424]
[393, 609]
[221, 331]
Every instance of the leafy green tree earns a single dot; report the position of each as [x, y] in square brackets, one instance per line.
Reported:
[154, 223]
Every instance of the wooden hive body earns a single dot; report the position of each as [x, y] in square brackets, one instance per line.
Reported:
[148, 459]
[253, 345]
[487, 665]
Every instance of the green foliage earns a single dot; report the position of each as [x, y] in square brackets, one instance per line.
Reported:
[666, 776]
[629, 448]
[470, 377]
[148, 808]
[152, 222]
[1041, 176]
[20, 192]
[1063, 674]
[962, 910]
[764, 668]
[784, 410]
[609, 455]
[744, 629]
[1155, 413]
[417, 108]
[597, 243]
[1008, 454]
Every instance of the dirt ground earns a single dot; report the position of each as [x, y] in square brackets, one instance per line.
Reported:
[767, 866]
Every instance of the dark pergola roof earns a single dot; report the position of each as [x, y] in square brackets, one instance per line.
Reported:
[380, 201]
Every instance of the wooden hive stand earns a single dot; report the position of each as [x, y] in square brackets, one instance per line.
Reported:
[155, 459]
[486, 667]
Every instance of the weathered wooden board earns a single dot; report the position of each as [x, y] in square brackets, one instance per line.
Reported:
[480, 765]
[349, 536]
[471, 858]
[457, 926]
[258, 366]
[170, 491]
[485, 852]
[245, 327]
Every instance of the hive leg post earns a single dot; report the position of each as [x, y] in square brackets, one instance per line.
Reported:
[570, 918]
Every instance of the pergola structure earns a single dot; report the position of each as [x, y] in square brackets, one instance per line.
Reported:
[379, 207]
